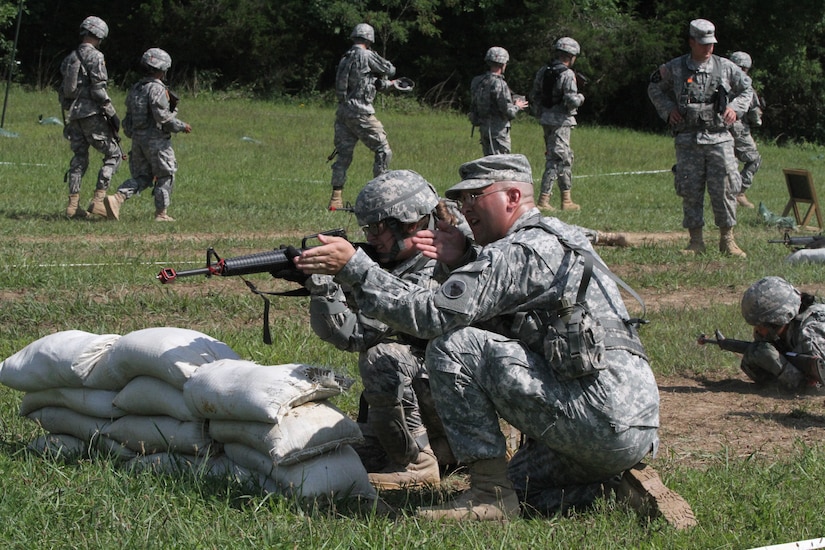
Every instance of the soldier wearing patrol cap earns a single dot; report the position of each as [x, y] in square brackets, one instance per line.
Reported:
[151, 119]
[784, 320]
[405, 440]
[700, 95]
[507, 340]
[492, 105]
[555, 100]
[91, 120]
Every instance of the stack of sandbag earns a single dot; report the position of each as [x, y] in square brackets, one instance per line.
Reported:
[168, 398]
[275, 422]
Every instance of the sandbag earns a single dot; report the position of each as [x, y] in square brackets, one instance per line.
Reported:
[242, 390]
[305, 431]
[113, 449]
[165, 463]
[86, 401]
[149, 396]
[807, 255]
[154, 434]
[337, 473]
[59, 446]
[60, 420]
[60, 360]
[168, 353]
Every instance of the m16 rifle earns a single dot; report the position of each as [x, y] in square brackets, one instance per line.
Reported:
[811, 366]
[277, 262]
[798, 243]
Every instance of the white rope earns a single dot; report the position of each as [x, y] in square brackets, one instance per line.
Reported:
[809, 544]
[623, 173]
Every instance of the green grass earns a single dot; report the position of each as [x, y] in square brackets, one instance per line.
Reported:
[242, 196]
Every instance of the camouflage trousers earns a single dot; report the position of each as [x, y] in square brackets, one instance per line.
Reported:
[495, 137]
[152, 163]
[92, 131]
[744, 148]
[558, 158]
[394, 374]
[351, 128]
[710, 167]
[574, 446]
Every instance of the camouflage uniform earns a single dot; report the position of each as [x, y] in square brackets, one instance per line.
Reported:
[492, 109]
[87, 114]
[150, 123]
[487, 323]
[774, 301]
[557, 122]
[355, 88]
[704, 144]
[744, 146]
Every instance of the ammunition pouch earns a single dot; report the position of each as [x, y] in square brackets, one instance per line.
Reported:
[575, 343]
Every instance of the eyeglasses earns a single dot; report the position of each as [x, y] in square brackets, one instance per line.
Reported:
[470, 199]
[374, 229]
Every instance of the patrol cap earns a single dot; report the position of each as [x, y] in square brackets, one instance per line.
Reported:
[480, 173]
[703, 31]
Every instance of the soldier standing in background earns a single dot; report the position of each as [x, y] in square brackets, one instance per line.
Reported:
[150, 120]
[555, 100]
[90, 116]
[492, 105]
[355, 88]
[744, 147]
[700, 95]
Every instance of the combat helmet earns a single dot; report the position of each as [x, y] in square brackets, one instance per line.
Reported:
[567, 45]
[770, 301]
[402, 195]
[95, 26]
[156, 59]
[498, 55]
[742, 60]
[363, 31]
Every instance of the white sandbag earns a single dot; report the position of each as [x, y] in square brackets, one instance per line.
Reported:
[154, 434]
[243, 390]
[168, 353]
[807, 255]
[149, 396]
[86, 401]
[60, 360]
[59, 446]
[60, 420]
[306, 431]
[337, 473]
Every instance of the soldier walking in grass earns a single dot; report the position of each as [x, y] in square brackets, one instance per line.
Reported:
[91, 120]
[700, 95]
[744, 146]
[151, 118]
[555, 100]
[355, 87]
[492, 105]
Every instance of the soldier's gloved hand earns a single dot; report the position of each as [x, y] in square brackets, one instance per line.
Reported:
[762, 356]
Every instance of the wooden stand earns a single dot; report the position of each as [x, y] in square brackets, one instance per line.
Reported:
[801, 190]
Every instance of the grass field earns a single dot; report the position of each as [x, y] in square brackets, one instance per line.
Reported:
[253, 175]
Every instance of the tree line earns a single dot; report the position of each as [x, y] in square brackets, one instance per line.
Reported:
[289, 48]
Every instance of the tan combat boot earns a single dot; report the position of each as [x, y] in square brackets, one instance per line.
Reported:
[490, 497]
[97, 207]
[727, 245]
[112, 204]
[73, 208]
[743, 201]
[162, 216]
[336, 202]
[544, 202]
[611, 239]
[423, 472]
[697, 241]
[643, 490]
[567, 203]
